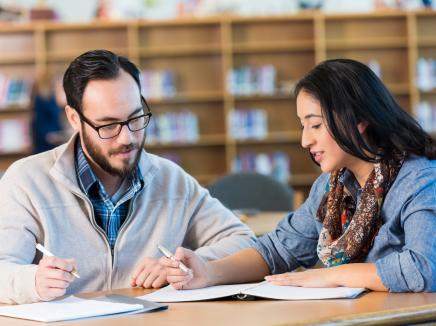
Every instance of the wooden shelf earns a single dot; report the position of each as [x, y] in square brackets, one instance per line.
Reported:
[263, 97]
[192, 50]
[15, 109]
[69, 55]
[427, 41]
[205, 140]
[427, 92]
[366, 43]
[18, 154]
[273, 47]
[17, 58]
[53, 26]
[399, 89]
[188, 98]
[201, 51]
[273, 138]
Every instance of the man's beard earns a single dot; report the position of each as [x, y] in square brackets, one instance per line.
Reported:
[102, 161]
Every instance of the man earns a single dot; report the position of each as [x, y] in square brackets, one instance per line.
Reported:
[101, 199]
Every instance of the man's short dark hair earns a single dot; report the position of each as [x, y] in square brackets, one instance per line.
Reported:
[94, 65]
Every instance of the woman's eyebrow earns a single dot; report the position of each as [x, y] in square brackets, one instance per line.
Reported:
[311, 115]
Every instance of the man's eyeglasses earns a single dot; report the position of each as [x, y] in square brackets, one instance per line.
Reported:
[112, 130]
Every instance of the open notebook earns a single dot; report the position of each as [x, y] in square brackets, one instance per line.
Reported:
[75, 308]
[241, 291]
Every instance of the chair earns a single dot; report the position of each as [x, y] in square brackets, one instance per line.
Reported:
[252, 191]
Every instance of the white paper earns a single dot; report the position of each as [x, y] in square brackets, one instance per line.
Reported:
[66, 309]
[169, 294]
[263, 290]
[281, 292]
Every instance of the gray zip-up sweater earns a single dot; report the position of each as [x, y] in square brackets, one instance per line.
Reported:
[41, 201]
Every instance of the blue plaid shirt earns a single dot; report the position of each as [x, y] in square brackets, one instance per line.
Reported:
[108, 215]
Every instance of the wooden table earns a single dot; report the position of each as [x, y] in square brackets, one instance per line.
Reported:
[376, 308]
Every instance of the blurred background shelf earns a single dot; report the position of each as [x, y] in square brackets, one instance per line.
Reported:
[200, 53]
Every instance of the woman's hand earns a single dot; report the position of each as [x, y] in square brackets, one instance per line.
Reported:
[196, 277]
[355, 275]
[311, 278]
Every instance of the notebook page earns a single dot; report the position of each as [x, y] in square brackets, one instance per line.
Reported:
[269, 291]
[169, 294]
[66, 309]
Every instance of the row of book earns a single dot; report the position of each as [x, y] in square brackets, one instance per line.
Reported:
[174, 127]
[158, 83]
[250, 80]
[426, 115]
[426, 74]
[276, 165]
[248, 124]
[14, 92]
[14, 135]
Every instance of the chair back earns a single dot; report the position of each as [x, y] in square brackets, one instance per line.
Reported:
[252, 191]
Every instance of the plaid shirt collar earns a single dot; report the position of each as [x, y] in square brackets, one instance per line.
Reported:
[87, 178]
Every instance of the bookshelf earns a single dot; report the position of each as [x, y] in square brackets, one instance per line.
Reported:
[201, 52]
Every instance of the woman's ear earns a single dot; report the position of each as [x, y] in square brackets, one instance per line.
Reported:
[361, 126]
[73, 118]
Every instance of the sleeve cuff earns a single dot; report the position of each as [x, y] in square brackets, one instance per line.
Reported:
[399, 273]
[25, 287]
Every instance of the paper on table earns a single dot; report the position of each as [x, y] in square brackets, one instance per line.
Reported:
[169, 294]
[269, 291]
[67, 309]
[263, 290]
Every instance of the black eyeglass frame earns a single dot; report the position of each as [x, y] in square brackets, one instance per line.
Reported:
[122, 123]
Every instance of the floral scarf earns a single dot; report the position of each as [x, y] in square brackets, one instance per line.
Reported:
[348, 231]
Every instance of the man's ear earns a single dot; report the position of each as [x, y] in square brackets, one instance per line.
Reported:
[73, 118]
[361, 126]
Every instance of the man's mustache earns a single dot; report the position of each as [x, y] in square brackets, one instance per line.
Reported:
[124, 148]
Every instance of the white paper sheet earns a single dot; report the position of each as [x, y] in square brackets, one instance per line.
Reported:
[269, 291]
[66, 309]
[169, 294]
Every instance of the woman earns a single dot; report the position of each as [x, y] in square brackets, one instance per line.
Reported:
[370, 217]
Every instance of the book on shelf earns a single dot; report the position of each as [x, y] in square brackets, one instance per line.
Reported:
[173, 127]
[158, 83]
[14, 92]
[14, 135]
[426, 115]
[250, 80]
[276, 165]
[248, 124]
[426, 74]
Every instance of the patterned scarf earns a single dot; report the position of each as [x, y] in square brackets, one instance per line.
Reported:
[348, 231]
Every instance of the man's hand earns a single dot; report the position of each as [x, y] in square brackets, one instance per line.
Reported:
[53, 276]
[149, 274]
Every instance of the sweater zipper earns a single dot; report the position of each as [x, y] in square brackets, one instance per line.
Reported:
[104, 236]
[124, 225]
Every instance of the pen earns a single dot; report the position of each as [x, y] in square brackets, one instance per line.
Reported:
[169, 255]
[41, 248]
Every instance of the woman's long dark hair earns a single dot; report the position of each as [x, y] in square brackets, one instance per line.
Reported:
[349, 93]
